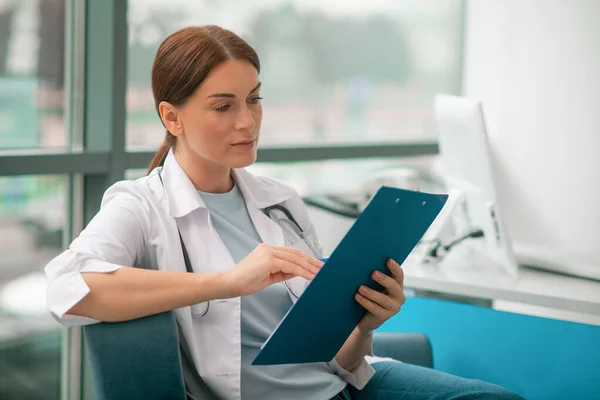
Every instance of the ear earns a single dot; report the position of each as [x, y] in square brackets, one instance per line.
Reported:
[171, 118]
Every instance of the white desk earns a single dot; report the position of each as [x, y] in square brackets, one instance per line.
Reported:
[534, 292]
[580, 298]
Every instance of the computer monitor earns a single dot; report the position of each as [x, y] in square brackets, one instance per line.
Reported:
[472, 206]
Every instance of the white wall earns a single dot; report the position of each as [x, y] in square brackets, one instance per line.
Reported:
[535, 64]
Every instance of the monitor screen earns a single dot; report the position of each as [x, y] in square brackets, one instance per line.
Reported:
[467, 169]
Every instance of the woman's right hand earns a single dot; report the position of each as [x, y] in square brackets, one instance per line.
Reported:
[267, 265]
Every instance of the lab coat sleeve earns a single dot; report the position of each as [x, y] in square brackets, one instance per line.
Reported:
[357, 378]
[114, 238]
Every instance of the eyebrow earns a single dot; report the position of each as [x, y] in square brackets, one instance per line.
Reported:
[231, 95]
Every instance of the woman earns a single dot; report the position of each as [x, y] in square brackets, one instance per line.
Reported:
[198, 201]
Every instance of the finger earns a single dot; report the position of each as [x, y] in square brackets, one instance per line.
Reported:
[296, 259]
[285, 276]
[397, 271]
[312, 260]
[277, 277]
[379, 312]
[288, 268]
[280, 277]
[390, 284]
[379, 298]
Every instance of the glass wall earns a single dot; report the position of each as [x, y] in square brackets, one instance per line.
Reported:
[32, 74]
[344, 79]
[331, 176]
[32, 224]
[33, 208]
[332, 71]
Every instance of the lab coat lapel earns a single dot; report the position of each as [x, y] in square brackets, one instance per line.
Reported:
[182, 196]
[267, 229]
[271, 233]
[260, 195]
[206, 250]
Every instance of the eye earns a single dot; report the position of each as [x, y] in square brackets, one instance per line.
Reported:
[222, 108]
[254, 100]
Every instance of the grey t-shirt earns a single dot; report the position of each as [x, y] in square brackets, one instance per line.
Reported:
[262, 312]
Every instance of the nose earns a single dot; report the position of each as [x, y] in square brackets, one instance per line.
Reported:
[245, 120]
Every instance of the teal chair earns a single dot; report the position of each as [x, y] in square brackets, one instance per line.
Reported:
[136, 359]
[141, 359]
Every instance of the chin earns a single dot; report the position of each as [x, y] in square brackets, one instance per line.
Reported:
[243, 161]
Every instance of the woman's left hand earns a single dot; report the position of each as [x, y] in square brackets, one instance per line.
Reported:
[381, 306]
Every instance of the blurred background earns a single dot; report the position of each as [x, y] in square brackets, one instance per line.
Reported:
[348, 91]
[332, 73]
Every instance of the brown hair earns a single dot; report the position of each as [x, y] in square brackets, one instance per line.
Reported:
[182, 62]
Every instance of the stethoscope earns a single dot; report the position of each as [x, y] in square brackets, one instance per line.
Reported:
[289, 218]
[292, 221]
[299, 231]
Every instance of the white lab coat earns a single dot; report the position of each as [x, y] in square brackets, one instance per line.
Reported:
[137, 226]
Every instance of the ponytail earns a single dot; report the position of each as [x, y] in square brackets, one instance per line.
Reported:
[160, 156]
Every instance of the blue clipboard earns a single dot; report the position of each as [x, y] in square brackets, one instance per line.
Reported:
[318, 324]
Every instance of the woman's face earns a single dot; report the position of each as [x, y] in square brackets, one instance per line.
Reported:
[220, 122]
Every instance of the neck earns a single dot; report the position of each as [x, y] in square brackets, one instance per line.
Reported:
[206, 176]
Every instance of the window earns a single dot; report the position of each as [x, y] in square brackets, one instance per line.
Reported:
[331, 176]
[33, 208]
[348, 91]
[332, 71]
[32, 225]
[32, 74]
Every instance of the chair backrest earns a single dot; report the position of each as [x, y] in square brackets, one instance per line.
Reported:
[137, 359]
[141, 359]
[411, 348]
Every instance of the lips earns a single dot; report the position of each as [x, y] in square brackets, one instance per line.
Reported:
[243, 142]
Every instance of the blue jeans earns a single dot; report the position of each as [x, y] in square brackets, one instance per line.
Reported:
[395, 380]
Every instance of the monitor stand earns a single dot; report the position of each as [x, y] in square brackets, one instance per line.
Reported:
[468, 255]
[527, 256]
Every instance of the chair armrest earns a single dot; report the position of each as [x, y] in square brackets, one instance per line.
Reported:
[137, 359]
[412, 348]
